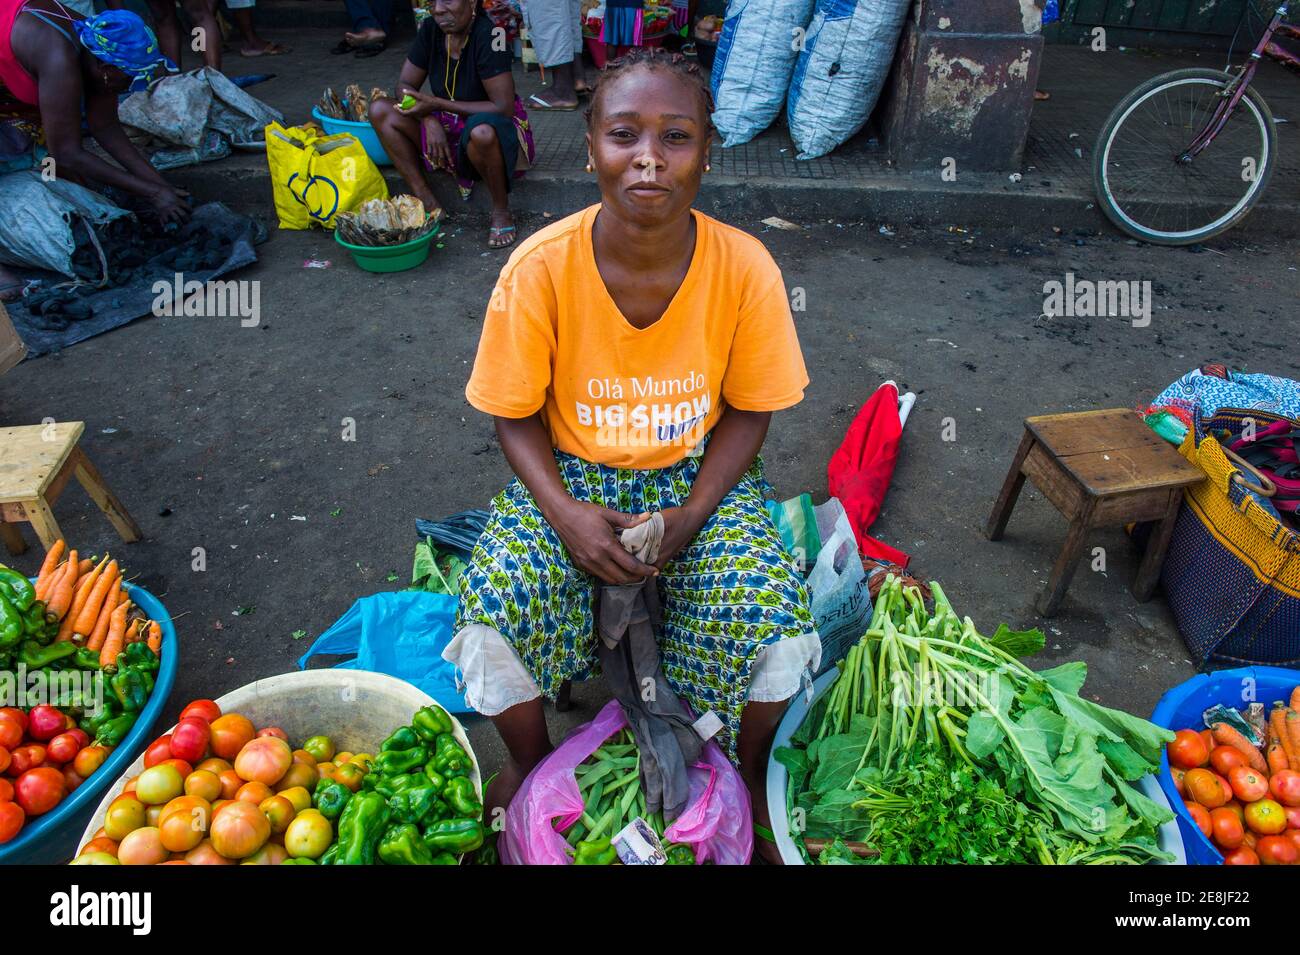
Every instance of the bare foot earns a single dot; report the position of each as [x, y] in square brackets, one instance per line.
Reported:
[365, 37]
[545, 100]
[431, 204]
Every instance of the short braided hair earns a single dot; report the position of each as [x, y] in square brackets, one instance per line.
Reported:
[655, 58]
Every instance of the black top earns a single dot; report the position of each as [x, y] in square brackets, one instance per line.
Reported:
[460, 78]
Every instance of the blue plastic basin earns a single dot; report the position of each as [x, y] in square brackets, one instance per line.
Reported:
[1181, 708]
[364, 133]
[52, 838]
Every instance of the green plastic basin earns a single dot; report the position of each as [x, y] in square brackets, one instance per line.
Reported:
[390, 258]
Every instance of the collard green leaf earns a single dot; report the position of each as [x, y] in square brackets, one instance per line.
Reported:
[1018, 643]
[837, 761]
[1068, 677]
[1125, 761]
[983, 734]
[1144, 737]
[795, 762]
[834, 815]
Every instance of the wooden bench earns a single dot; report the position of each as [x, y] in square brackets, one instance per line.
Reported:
[36, 463]
[1099, 468]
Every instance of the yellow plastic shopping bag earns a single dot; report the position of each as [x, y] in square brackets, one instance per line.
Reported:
[316, 177]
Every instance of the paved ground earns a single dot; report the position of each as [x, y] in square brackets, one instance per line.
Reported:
[219, 436]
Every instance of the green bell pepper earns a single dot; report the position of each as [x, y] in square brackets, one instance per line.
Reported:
[114, 730]
[401, 738]
[460, 795]
[454, 835]
[21, 589]
[85, 659]
[139, 655]
[129, 688]
[395, 762]
[361, 826]
[401, 845]
[412, 805]
[34, 656]
[331, 856]
[331, 798]
[11, 625]
[449, 759]
[430, 722]
[680, 854]
[300, 861]
[34, 624]
[445, 858]
[595, 852]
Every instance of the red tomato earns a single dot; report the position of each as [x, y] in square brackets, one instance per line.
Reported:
[90, 759]
[1294, 836]
[83, 740]
[1224, 758]
[1276, 850]
[11, 732]
[158, 751]
[1292, 816]
[1188, 750]
[1248, 784]
[1178, 773]
[6, 791]
[1285, 787]
[190, 739]
[1201, 816]
[273, 731]
[182, 767]
[4, 759]
[15, 713]
[229, 734]
[1228, 831]
[45, 723]
[25, 758]
[11, 820]
[63, 748]
[39, 790]
[205, 710]
[1242, 855]
[70, 778]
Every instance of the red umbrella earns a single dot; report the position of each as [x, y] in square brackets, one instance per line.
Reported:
[862, 466]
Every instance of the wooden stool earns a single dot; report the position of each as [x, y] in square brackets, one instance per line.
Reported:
[1098, 468]
[36, 463]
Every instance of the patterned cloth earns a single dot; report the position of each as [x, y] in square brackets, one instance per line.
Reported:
[730, 592]
[121, 39]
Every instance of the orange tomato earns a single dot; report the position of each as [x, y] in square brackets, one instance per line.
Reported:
[240, 829]
[1228, 831]
[100, 844]
[203, 783]
[230, 733]
[1208, 739]
[1248, 784]
[1276, 850]
[1203, 786]
[230, 783]
[1242, 855]
[1201, 816]
[1238, 809]
[279, 811]
[254, 792]
[214, 765]
[1224, 758]
[1265, 817]
[6, 791]
[1188, 750]
[1179, 774]
[11, 820]
[180, 831]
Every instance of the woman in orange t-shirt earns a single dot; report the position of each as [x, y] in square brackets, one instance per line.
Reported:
[632, 355]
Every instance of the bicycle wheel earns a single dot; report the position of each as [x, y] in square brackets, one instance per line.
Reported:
[1148, 193]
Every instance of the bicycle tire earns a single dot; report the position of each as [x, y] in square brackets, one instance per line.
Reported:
[1109, 205]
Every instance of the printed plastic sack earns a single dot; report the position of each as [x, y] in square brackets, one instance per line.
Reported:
[42, 222]
[717, 823]
[315, 177]
[752, 66]
[839, 74]
[841, 602]
[401, 634]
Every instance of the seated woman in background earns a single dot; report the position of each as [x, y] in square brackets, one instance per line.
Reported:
[470, 124]
[55, 63]
[632, 356]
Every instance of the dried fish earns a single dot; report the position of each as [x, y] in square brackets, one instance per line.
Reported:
[385, 222]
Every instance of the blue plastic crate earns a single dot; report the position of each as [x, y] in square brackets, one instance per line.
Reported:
[53, 837]
[1181, 708]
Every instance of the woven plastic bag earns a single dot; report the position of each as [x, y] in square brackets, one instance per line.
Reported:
[717, 823]
[751, 69]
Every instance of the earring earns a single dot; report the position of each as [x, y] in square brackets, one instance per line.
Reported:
[589, 169]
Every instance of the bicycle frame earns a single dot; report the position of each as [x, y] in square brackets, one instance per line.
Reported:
[1232, 94]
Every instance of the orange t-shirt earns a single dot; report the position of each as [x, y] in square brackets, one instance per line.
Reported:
[554, 340]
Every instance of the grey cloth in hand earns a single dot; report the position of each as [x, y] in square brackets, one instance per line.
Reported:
[626, 619]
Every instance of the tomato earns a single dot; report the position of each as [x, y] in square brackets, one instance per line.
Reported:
[1208, 739]
[1201, 816]
[278, 811]
[4, 759]
[320, 748]
[11, 732]
[350, 775]
[1292, 817]
[100, 844]
[1265, 817]
[205, 854]
[341, 758]
[205, 710]
[62, 749]
[1276, 850]
[1242, 855]
[230, 733]
[308, 836]
[7, 791]
[190, 739]
[1248, 784]
[180, 831]
[11, 820]
[142, 846]
[159, 784]
[1188, 750]
[90, 759]
[1228, 831]
[269, 854]
[254, 792]
[39, 790]
[95, 858]
[203, 783]
[83, 740]
[230, 783]
[182, 767]
[299, 774]
[1285, 787]
[1224, 758]
[125, 814]
[1238, 810]
[71, 779]
[298, 797]
[273, 731]
[1225, 788]
[152, 815]
[15, 714]
[302, 756]
[45, 722]
[26, 757]
[196, 809]
[213, 765]
[1179, 775]
[264, 760]
[159, 751]
[1203, 786]
[239, 830]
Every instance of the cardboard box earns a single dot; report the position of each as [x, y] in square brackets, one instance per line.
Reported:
[12, 349]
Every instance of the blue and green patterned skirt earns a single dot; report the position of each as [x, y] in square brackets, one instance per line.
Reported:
[733, 590]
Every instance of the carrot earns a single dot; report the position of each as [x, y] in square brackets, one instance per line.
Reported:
[59, 598]
[79, 598]
[1278, 734]
[1228, 736]
[1293, 732]
[116, 635]
[48, 566]
[100, 633]
[1277, 759]
[1295, 699]
[83, 568]
[106, 582]
[155, 637]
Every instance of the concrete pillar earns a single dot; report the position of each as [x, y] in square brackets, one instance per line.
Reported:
[962, 85]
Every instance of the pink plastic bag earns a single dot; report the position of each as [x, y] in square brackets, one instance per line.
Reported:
[717, 823]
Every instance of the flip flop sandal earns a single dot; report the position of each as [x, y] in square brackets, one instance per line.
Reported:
[342, 47]
[495, 232]
[536, 102]
[369, 50]
[271, 49]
